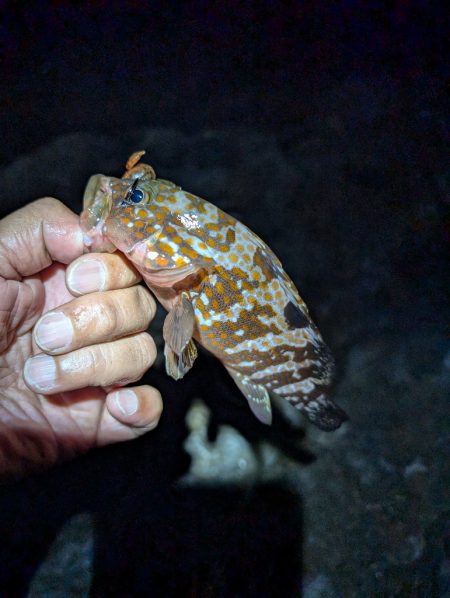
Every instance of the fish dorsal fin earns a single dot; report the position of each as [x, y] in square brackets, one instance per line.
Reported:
[257, 396]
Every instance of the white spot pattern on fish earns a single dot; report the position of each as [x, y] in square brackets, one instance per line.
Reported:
[223, 287]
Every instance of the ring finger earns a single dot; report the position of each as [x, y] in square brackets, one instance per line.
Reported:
[113, 363]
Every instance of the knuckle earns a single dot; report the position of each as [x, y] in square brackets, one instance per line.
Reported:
[124, 360]
[103, 357]
[96, 359]
[145, 350]
[48, 202]
[47, 206]
[122, 269]
[147, 297]
[143, 301]
[129, 311]
[107, 314]
[84, 363]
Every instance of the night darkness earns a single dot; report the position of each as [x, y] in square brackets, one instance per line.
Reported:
[324, 127]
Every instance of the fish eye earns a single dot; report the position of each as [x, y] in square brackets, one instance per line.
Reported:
[136, 196]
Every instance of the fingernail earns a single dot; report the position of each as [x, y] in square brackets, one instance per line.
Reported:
[53, 331]
[126, 401]
[40, 372]
[87, 276]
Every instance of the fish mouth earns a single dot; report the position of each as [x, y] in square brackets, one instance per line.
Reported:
[97, 198]
[97, 202]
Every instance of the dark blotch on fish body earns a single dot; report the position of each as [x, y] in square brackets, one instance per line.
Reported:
[294, 316]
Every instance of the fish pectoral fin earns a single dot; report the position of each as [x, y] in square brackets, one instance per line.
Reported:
[178, 365]
[179, 350]
[257, 396]
[179, 324]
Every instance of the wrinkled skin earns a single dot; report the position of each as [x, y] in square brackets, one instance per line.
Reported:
[80, 407]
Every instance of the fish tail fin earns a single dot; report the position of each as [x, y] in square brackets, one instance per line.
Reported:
[321, 411]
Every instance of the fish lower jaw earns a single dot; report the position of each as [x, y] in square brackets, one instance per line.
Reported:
[166, 277]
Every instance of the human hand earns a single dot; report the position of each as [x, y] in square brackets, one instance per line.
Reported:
[60, 384]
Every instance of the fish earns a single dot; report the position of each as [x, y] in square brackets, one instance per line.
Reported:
[222, 286]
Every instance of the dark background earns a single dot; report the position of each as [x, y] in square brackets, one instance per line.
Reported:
[109, 66]
[323, 126]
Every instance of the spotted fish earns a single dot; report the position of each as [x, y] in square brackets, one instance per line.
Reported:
[222, 286]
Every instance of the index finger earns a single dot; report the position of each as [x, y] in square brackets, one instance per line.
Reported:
[100, 272]
[36, 235]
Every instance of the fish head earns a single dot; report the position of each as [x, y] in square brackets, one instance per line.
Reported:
[143, 218]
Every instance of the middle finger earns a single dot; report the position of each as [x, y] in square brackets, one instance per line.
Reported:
[94, 318]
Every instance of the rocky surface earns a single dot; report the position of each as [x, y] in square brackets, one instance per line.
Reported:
[213, 503]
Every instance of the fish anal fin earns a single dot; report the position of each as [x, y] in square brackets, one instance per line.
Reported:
[257, 396]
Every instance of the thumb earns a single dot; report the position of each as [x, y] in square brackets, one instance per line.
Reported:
[33, 237]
